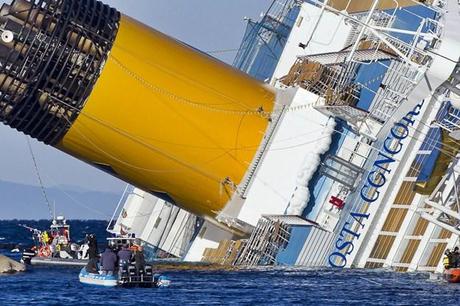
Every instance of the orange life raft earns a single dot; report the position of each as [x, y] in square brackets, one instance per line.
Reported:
[452, 275]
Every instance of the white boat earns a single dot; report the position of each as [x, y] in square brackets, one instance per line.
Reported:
[50, 261]
[127, 278]
[98, 279]
[53, 246]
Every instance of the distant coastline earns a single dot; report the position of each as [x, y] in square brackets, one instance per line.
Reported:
[25, 202]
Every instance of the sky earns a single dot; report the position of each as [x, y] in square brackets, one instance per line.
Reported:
[205, 24]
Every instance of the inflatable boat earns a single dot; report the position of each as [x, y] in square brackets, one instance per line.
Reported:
[146, 279]
[452, 275]
[98, 279]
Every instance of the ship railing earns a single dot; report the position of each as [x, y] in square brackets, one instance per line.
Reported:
[266, 240]
[243, 188]
[378, 19]
[280, 8]
[119, 209]
[326, 76]
[435, 27]
[408, 52]
[444, 202]
[399, 81]
[451, 121]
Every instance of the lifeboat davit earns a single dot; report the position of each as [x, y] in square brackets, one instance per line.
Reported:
[452, 275]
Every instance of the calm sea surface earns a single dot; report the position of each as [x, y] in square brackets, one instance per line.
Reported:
[60, 286]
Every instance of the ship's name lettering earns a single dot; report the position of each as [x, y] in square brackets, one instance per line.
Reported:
[371, 191]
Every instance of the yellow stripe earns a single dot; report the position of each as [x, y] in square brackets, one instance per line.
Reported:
[168, 118]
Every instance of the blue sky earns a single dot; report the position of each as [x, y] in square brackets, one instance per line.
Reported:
[205, 24]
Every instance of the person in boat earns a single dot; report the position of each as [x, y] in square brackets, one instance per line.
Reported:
[83, 251]
[45, 238]
[447, 260]
[108, 261]
[65, 233]
[93, 254]
[125, 255]
[139, 260]
[455, 258]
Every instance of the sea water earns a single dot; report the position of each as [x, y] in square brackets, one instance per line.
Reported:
[268, 286]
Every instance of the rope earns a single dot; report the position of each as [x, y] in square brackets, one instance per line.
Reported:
[183, 100]
[206, 107]
[42, 187]
[224, 51]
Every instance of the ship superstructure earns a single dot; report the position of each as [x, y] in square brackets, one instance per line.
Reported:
[346, 156]
[355, 191]
[165, 230]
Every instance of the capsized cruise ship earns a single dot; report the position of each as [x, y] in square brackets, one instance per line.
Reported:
[335, 144]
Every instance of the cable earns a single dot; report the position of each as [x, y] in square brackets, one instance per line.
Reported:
[128, 135]
[209, 107]
[278, 149]
[37, 172]
[183, 100]
[79, 203]
[201, 105]
[224, 51]
[149, 147]
[260, 111]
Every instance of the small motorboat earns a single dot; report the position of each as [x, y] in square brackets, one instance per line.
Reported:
[125, 278]
[452, 275]
[54, 247]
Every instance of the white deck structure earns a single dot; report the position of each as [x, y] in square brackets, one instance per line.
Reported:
[350, 164]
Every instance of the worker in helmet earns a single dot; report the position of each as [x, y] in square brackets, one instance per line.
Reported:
[45, 238]
[139, 260]
[447, 260]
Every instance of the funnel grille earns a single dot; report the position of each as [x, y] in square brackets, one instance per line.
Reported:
[51, 55]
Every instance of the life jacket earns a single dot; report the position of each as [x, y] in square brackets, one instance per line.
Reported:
[446, 262]
[44, 252]
[45, 237]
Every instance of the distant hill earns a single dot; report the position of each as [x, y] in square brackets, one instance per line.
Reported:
[18, 201]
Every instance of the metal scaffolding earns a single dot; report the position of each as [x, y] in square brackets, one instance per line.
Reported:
[264, 40]
[374, 39]
[342, 171]
[266, 240]
[444, 203]
[271, 235]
